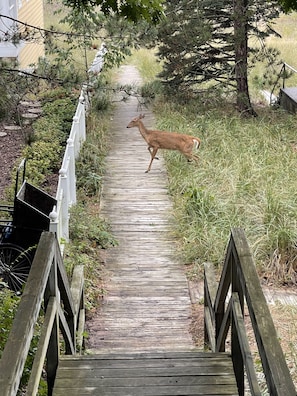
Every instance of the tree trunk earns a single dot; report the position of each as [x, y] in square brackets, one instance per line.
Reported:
[241, 53]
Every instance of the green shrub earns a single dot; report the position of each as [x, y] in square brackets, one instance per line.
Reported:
[90, 169]
[100, 101]
[3, 103]
[48, 129]
[42, 158]
[89, 227]
[49, 95]
[8, 305]
[63, 111]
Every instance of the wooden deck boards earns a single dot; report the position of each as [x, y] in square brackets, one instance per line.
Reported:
[153, 374]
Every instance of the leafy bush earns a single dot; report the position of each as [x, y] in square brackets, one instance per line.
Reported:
[48, 129]
[49, 136]
[89, 227]
[88, 233]
[63, 111]
[42, 158]
[3, 103]
[90, 169]
[100, 102]
[8, 305]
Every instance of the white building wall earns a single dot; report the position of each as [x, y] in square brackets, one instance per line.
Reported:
[8, 8]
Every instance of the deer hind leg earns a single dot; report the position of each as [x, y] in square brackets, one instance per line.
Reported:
[153, 154]
[187, 150]
[191, 157]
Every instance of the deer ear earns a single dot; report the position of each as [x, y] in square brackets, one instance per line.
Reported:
[141, 116]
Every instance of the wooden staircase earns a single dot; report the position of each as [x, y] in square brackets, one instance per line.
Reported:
[139, 374]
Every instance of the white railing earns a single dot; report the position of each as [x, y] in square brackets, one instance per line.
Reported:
[66, 190]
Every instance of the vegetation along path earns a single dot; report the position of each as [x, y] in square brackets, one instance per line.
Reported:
[147, 305]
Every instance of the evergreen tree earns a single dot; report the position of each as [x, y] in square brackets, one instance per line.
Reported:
[204, 41]
[194, 45]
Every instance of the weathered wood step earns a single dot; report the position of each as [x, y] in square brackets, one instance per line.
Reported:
[146, 374]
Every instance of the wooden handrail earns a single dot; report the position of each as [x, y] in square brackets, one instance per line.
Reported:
[224, 304]
[47, 286]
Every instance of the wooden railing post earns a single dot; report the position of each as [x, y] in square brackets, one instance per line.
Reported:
[53, 346]
[236, 287]
[210, 289]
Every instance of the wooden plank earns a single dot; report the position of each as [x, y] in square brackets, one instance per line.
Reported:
[150, 392]
[185, 354]
[146, 361]
[40, 355]
[133, 381]
[244, 346]
[168, 373]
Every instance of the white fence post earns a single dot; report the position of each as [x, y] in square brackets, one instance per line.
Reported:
[64, 215]
[54, 223]
[71, 172]
[82, 118]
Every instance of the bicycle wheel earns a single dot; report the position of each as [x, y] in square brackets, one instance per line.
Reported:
[15, 265]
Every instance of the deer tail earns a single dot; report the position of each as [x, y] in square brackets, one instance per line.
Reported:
[196, 143]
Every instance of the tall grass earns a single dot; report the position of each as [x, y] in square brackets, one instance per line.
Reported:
[147, 64]
[286, 26]
[246, 178]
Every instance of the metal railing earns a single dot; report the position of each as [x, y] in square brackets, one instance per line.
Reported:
[283, 74]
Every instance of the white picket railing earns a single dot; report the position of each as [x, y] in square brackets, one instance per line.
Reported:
[66, 190]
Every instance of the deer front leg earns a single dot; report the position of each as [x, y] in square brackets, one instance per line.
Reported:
[153, 154]
[150, 150]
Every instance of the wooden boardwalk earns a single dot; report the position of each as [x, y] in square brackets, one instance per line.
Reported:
[147, 304]
[139, 341]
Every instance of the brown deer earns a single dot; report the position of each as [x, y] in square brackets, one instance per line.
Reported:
[165, 140]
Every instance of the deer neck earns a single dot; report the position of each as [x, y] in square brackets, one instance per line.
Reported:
[143, 131]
